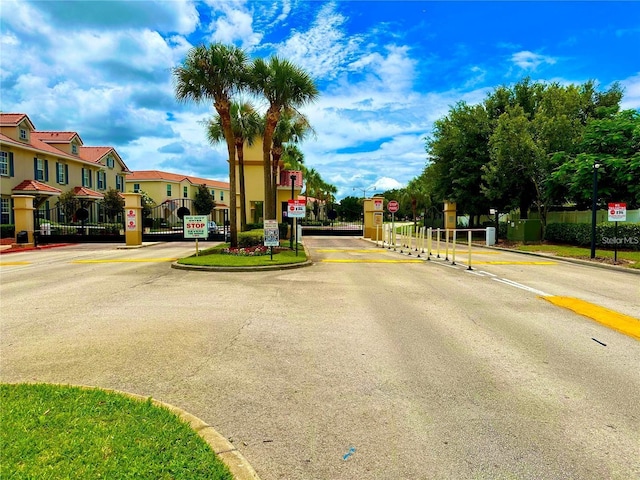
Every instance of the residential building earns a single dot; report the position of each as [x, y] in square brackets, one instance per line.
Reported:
[170, 191]
[46, 164]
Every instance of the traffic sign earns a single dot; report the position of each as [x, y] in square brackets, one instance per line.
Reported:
[393, 206]
[296, 209]
[271, 233]
[196, 226]
[617, 212]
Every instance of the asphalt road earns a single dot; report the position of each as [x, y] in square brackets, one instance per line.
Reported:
[364, 366]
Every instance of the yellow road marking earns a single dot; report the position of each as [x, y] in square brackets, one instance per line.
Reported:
[338, 260]
[340, 250]
[609, 318]
[504, 262]
[128, 260]
[6, 264]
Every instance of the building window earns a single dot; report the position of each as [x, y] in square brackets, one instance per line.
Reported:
[120, 183]
[221, 196]
[4, 163]
[110, 162]
[86, 177]
[168, 190]
[61, 173]
[102, 180]
[23, 134]
[5, 211]
[136, 187]
[40, 169]
[74, 148]
[213, 193]
[185, 192]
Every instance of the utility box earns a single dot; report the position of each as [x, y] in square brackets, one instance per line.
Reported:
[22, 237]
[526, 231]
[491, 236]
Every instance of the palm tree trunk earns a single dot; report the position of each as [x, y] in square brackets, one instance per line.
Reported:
[243, 196]
[269, 184]
[223, 112]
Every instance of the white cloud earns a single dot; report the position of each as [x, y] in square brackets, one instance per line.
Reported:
[527, 60]
[631, 86]
[234, 23]
[324, 48]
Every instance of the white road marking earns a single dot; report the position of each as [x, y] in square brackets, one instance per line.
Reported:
[522, 287]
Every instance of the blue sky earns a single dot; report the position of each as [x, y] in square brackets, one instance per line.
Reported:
[385, 69]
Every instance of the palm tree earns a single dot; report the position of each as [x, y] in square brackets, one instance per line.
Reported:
[285, 86]
[293, 158]
[216, 72]
[312, 181]
[247, 125]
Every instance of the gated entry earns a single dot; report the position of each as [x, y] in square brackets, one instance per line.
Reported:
[163, 223]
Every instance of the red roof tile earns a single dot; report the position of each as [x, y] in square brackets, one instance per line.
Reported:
[9, 119]
[56, 137]
[174, 177]
[33, 186]
[84, 192]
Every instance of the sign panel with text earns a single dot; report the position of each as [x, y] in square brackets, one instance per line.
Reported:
[196, 226]
[296, 209]
[617, 212]
[271, 233]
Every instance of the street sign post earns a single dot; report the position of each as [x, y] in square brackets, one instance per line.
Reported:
[196, 226]
[617, 212]
[393, 206]
[271, 235]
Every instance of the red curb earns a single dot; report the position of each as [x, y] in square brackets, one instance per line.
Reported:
[28, 249]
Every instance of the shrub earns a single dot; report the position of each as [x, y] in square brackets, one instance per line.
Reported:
[251, 238]
[580, 234]
[7, 231]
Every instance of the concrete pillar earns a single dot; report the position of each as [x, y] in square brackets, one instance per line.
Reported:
[23, 216]
[133, 218]
[373, 215]
[450, 215]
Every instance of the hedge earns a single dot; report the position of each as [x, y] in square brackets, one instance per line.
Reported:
[251, 238]
[579, 234]
[7, 231]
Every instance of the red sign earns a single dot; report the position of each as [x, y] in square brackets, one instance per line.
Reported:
[617, 212]
[393, 206]
[296, 209]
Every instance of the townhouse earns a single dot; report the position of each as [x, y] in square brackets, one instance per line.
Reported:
[171, 191]
[46, 164]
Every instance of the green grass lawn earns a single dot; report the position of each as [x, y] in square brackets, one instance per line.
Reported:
[625, 258]
[212, 257]
[54, 431]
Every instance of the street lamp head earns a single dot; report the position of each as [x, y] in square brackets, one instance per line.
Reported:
[596, 166]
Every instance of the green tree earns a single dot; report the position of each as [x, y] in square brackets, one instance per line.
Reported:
[113, 203]
[69, 204]
[216, 72]
[247, 125]
[203, 202]
[350, 209]
[459, 147]
[614, 144]
[285, 86]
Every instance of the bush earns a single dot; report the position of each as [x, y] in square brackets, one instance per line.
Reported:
[7, 231]
[251, 238]
[580, 234]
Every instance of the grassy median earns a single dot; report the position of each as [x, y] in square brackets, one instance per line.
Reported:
[54, 431]
[214, 257]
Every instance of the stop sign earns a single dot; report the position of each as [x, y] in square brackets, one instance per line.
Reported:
[393, 206]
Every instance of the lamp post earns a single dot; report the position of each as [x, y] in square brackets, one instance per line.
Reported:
[364, 190]
[596, 166]
[293, 233]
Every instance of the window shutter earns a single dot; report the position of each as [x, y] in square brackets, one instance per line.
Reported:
[11, 174]
[58, 172]
[35, 169]
[46, 170]
[66, 174]
[90, 179]
[82, 182]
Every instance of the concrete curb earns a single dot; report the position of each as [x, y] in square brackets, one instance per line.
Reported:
[264, 268]
[225, 450]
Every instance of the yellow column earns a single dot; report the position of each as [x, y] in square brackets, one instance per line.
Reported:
[449, 215]
[133, 218]
[23, 217]
[373, 210]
